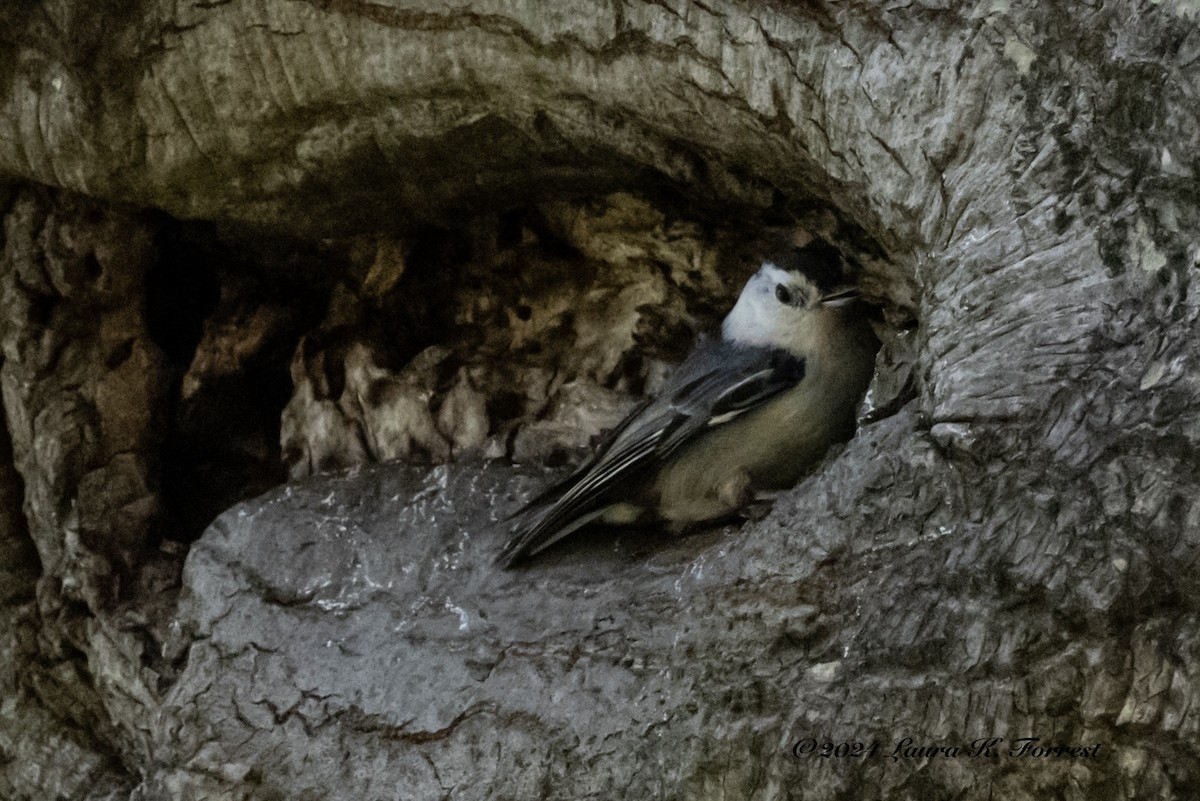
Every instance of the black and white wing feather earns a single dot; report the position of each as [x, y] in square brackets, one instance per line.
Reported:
[718, 383]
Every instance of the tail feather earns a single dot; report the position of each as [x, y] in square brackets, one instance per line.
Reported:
[540, 533]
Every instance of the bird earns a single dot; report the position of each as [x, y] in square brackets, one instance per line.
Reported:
[742, 418]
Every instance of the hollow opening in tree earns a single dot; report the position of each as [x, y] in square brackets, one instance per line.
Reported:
[520, 332]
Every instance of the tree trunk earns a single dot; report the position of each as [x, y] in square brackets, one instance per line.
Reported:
[1006, 549]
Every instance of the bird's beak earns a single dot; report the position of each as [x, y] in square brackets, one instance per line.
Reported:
[840, 296]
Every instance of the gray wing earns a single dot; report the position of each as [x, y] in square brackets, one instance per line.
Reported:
[718, 383]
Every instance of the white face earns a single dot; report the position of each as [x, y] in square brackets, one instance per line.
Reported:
[776, 308]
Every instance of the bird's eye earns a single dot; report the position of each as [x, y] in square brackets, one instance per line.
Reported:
[783, 294]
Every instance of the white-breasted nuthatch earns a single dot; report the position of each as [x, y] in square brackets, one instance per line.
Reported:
[744, 415]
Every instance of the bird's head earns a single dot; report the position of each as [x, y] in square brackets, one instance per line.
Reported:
[790, 301]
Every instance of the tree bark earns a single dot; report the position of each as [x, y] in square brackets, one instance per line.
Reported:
[1011, 553]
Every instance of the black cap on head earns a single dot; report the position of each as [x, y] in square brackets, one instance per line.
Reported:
[818, 261]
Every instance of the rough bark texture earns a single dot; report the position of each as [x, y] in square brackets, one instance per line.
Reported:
[1010, 553]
